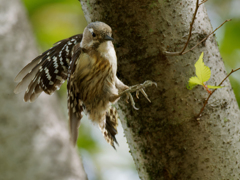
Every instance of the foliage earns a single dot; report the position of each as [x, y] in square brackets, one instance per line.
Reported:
[203, 73]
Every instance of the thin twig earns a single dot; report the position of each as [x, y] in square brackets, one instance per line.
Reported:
[202, 2]
[206, 37]
[191, 27]
[190, 31]
[189, 35]
[206, 101]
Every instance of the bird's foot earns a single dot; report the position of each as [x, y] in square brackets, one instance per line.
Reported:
[137, 88]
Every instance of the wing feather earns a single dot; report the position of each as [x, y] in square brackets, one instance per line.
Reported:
[75, 105]
[48, 71]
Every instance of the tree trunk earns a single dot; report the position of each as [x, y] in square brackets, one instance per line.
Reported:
[166, 140]
[34, 140]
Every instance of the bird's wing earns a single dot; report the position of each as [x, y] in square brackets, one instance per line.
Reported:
[48, 71]
[75, 105]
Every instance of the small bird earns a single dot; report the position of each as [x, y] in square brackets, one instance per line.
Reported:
[89, 64]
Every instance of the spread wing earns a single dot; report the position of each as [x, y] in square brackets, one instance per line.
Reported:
[48, 71]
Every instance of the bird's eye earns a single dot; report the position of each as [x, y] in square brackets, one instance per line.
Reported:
[93, 34]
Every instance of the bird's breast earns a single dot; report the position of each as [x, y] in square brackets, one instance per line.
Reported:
[95, 76]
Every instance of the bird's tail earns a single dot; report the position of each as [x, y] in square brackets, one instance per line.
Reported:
[109, 129]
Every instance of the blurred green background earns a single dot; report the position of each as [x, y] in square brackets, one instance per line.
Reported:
[228, 36]
[53, 20]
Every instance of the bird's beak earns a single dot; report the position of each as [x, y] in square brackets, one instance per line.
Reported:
[108, 38]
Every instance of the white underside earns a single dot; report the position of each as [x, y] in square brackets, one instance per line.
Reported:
[106, 49]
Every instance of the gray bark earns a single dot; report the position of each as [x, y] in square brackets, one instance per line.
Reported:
[34, 141]
[165, 139]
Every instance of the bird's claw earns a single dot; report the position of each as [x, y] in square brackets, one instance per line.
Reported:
[136, 89]
[137, 94]
[145, 95]
[129, 96]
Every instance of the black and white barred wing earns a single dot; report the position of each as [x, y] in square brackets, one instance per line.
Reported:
[48, 71]
[75, 105]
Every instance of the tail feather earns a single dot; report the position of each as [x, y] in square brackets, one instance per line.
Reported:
[109, 130]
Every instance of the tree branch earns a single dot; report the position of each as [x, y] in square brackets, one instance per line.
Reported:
[190, 33]
[206, 37]
[206, 101]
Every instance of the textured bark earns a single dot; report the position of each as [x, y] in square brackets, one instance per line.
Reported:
[165, 139]
[34, 141]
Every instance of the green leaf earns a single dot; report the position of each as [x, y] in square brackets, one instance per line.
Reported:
[214, 87]
[193, 81]
[203, 72]
[203, 75]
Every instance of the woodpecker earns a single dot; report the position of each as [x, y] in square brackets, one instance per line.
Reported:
[89, 64]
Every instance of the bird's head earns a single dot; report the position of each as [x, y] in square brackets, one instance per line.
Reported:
[95, 34]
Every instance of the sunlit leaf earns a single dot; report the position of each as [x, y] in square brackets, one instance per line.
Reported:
[203, 75]
[202, 71]
[193, 81]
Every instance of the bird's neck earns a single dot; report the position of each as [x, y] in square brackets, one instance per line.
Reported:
[107, 51]
[105, 47]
